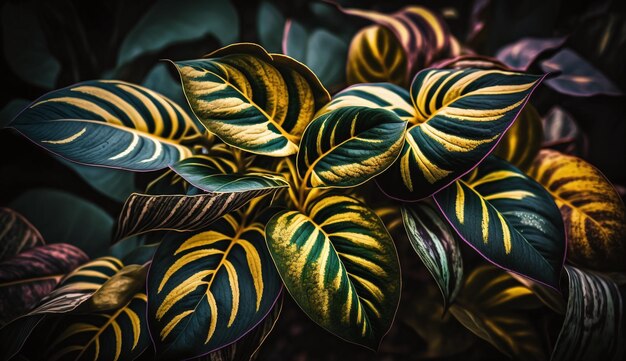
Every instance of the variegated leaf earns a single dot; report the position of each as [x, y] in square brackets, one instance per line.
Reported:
[109, 123]
[208, 289]
[340, 265]
[593, 212]
[460, 116]
[435, 243]
[348, 146]
[521, 143]
[17, 234]
[253, 100]
[593, 326]
[509, 219]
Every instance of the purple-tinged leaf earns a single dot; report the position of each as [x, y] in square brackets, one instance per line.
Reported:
[17, 234]
[30, 275]
[562, 133]
[471, 61]
[521, 54]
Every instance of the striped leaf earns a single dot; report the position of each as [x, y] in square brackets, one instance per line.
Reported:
[593, 212]
[494, 306]
[460, 117]
[109, 123]
[521, 143]
[509, 219]
[117, 290]
[375, 55]
[17, 234]
[253, 100]
[27, 277]
[424, 36]
[593, 327]
[471, 61]
[119, 334]
[348, 146]
[210, 288]
[340, 265]
[434, 242]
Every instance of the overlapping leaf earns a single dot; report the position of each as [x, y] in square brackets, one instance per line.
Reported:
[208, 289]
[349, 146]
[109, 123]
[522, 142]
[436, 245]
[17, 234]
[253, 100]
[593, 212]
[562, 133]
[340, 265]
[509, 219]
[593, 326]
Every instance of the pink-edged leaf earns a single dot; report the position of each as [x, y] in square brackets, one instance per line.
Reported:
[521, 54]
[17, 234]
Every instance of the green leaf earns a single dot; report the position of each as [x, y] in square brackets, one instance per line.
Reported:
[460, 115]
[434, 242]
[509, 219]
[593, 327]
[270, 24]
[327, 64]
[494, 306]
[349, 146]
[340, 265]
[170, 22]
[207, 289]
[25, 47]
[522, 142]
[253, 100]
[11, 110]
[109, 123]
[65, 218]
[17, 234]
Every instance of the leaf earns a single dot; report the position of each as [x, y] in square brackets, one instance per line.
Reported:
[208, 289]
[460, 116]
[252, 100]
[340, 265]
[495, 308]
[471, 61]
[295, 39]
[65, 218]
[592, 210]
[270, 26]
[17, 234]
[349, 146]
[434, 242]
[592, 328]
[561, 132]
[521, 144]
[11, 109]
[27, 277]
[108, 123]
[523, 53]
[578, 78]
[117, 290]
[25, 47]
[110, 335]
[509, 219]
[375, 55]
[170, 22]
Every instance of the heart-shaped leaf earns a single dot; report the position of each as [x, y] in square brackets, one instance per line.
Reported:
[521, 143]
[348, 146]
[593, 212]
[253, 100]
[592, 328]
[436, 245]
[17, 234]
[109, 123]
[460, 117]
[509, 219]
[340, 265]
[209, 288]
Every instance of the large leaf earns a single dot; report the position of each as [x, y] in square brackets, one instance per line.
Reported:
[593, 326]
[494, 306]
[349, 146]
[523, 140]
[340, 265]
[109, 123]
[17, 234]
[169, 22]
[27, 277]
[436, 245]
[460, 116]
[375, 55]
[593, 212]
[210, 288]
[509, 219]
[253, 100]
